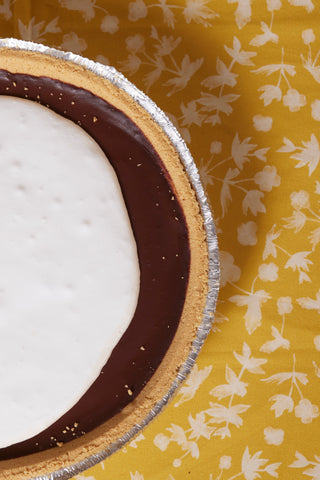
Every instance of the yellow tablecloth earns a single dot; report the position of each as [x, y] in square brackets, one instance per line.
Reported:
[240, 80]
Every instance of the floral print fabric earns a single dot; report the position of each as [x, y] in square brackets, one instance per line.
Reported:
[241, 81]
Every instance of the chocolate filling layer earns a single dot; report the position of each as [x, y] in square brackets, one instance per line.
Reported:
[163, 247]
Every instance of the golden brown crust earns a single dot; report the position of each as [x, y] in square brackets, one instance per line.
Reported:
[102, 437]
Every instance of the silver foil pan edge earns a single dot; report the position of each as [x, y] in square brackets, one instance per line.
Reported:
[116, 78]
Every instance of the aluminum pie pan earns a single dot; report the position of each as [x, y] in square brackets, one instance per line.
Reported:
[118, 80]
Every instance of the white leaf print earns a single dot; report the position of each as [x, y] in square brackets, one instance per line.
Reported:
[316, 369]
[299, 261]
[272, 468]
[234, 386]
[229, 271]
[5, 9]
[85, 7]
[134, 442]
[265, 37]
[314, 237]
[279, 378]
[185, 72]
[270, 93]
[220, 413]
[249, 363]
[300, 461]
[136, 476]
[225, 195]
[177, 434]
[309, 303]
[193, 382]
[198, 12]
[36, 31]
[243, 12]
[288, 146]
[270, 248]
[253, 302]
[281, 404]
[240, 56]
[309, 154]
[261, 154]
[276, 67]
[240, 150]
[168, 15]
[252, 202]
[224, 77]
[219, 103]
[73, 43]
[190, 114]
[251, 465]
[199, 427]
[296, 221]
[307, 4]
[278, 342]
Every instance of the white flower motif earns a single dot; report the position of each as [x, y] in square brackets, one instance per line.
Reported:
[215, 147]
[252, 201]
[262, 123]
[167, 45]
[198, 12]
[273, 5]
[270, 93]
[307, 4]
[137, 10]
[294, 100]
[268, 272]
[300, 461]
[306, 411]
[73, 43]
[316, 341]
[315, 110]
[284, 305]
[277, 342]
[161, 441]
[110, 24]
[281, 404]
[267, 178]
[247, 233]
[300, 199]
[225, 462]
[229, 271]
[135, 43]
[273, 436]
[308, 36]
